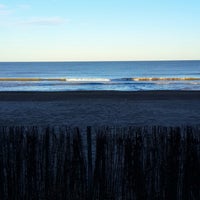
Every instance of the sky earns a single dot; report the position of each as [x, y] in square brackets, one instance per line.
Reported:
[99, 30]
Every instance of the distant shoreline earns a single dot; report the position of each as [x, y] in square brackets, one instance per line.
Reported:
[78, 61]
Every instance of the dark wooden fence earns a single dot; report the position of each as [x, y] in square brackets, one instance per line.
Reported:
[100, 163]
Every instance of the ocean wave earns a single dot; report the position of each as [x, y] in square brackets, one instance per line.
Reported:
[57, 79]
[103, 80]
[159, 79]
[88, 79]
[32, 79]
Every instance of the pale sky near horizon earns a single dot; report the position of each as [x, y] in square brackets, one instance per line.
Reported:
[84, 30]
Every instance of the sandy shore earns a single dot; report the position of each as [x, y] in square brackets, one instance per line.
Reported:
[100, 108]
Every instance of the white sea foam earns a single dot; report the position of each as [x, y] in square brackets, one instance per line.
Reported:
[160, 79]
[87, 79]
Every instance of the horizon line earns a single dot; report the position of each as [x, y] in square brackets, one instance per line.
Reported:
[158, 60]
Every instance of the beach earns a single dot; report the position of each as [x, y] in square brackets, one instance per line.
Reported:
[99, 108]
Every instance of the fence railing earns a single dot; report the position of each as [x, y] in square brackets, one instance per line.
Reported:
[100, 163]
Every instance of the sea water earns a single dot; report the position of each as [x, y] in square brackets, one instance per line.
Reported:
[121, 76]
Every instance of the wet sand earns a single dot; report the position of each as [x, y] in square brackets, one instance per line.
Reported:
[98, 108]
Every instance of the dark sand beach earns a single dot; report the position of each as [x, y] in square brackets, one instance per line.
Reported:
[83, 108]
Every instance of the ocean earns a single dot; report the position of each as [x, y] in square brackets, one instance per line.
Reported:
[79, 76]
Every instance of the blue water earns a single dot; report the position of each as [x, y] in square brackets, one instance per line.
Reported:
[123, 76]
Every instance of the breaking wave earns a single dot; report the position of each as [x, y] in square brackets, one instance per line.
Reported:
[99, 80]
[160, 79]
[87, 79]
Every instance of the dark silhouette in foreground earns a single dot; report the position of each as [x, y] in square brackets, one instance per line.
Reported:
[100, 163]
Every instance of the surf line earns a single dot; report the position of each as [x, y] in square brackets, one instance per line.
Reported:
[57, 79]
[159, 79]
[32, 79]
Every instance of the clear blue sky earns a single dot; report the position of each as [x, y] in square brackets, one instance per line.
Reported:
[69, 30]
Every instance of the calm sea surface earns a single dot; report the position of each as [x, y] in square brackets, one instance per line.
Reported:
[123, 76]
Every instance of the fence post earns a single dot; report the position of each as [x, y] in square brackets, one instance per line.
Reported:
[89, 152]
